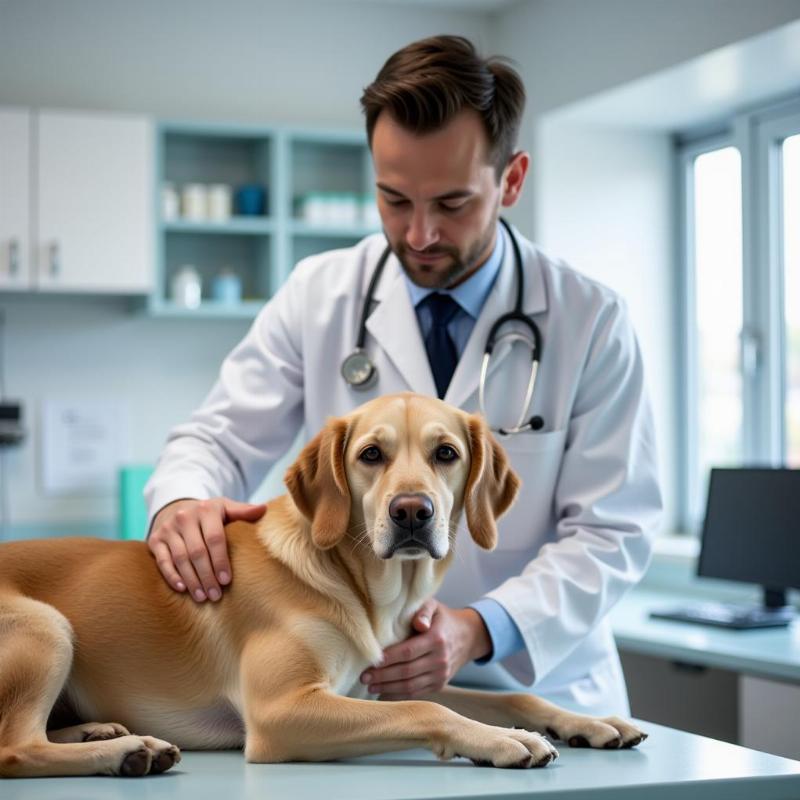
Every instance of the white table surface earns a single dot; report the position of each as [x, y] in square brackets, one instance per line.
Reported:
[670, 765]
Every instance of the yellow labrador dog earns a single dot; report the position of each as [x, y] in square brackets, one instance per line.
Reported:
[328, 578]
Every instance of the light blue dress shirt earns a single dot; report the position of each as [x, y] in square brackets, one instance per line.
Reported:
[470, 296]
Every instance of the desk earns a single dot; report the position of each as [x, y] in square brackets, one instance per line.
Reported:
[670, 765]
[745, 685]
[768, 652]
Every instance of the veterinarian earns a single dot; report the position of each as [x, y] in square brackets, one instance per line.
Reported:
[443, 126]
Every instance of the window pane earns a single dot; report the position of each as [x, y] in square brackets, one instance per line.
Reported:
[718, 292]
[791, 278]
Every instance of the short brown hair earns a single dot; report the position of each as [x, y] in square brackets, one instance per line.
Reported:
[426, 83]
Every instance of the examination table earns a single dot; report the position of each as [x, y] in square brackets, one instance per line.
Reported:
[670, 765]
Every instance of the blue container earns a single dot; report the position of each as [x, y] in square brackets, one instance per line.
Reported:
[227, 288]
[250, 200]
[131, 506]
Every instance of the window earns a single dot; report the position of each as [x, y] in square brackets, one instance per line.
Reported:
[718, 306]
[791, 293]
[741, 245]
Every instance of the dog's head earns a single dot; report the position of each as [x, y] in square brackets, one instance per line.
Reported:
[398, 471]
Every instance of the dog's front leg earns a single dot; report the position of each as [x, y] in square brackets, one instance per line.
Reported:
[313, 724]
[532, 713]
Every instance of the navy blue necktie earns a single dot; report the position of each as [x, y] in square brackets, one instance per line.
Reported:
[441, 350]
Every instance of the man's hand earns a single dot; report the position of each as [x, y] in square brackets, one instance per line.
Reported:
[445, 640]
[188, 541]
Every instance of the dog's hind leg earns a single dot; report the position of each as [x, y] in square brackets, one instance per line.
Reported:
[88, 732]
[36, 646]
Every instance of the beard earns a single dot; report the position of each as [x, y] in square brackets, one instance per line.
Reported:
[456, 270]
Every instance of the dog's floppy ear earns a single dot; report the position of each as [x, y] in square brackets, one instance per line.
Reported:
[492, 484]
[317, 482]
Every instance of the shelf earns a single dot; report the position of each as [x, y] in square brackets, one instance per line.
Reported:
[300, 228]
[290, 164]
[256, 226]
[208, 309]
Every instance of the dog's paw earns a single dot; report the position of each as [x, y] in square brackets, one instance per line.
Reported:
[508, 748]
[522, 749]
[100, 731]
[609, 733]
[165, 755]
[147, 755]
[629, 733]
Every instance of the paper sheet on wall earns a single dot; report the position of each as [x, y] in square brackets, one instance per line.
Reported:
[83, 445]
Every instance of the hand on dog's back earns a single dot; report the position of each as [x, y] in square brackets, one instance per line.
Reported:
[188, 542]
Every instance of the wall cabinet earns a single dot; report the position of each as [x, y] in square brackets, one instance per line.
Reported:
[315, 193]
[82, 205]
[15, 138]
[77, 213]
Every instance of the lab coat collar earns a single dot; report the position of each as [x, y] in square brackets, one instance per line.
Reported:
[394, 323]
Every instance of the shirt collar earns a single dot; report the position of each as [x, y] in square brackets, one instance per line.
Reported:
[472, 293]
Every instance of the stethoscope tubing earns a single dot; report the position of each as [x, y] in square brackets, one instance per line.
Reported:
[516, 315]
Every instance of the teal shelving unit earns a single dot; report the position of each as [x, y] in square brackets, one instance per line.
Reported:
[296, 168]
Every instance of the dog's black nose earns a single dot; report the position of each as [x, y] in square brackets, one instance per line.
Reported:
[410, 511]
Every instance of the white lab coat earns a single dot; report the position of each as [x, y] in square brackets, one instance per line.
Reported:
[579, 534]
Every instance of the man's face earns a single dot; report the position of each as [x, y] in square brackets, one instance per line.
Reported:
[438, 197]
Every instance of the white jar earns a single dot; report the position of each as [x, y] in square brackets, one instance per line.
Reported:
[219, 202]
[311, 208]
[194, 200]
[349, 209]
[187, 287]
[170, 203]
[370, 216]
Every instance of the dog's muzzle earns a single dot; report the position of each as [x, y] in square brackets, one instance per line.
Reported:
[413, 517]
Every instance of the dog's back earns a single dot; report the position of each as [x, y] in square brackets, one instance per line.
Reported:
[127, 627]
[148, 657]
[47, 569]
[143, 655]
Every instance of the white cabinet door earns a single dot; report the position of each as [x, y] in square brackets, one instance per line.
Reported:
[15, 142]
[768, 714]
[95, 203]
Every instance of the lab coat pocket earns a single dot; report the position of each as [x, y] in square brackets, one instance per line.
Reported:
[536, 458]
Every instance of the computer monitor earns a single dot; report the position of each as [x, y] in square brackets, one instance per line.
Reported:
[751, 531]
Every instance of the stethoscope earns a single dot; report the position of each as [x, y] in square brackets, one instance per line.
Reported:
[360, 371]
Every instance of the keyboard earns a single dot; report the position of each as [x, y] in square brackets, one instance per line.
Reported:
[11, 432]
[729, 615]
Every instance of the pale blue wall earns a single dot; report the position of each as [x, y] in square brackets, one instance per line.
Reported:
[296, 62]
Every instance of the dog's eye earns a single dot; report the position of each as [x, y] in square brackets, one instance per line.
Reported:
[371, 454]
[446, 453]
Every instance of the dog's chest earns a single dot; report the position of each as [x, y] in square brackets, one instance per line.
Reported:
[344, 671]
[392, 633]
[339, 656]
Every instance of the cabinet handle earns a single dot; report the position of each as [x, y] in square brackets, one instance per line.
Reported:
[13, 257]
[55, 260]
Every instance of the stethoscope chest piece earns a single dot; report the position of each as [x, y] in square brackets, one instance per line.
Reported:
[359, 371]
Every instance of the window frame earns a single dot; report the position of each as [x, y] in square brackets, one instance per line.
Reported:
[758, 134]
[688, 150]
[770, 132]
